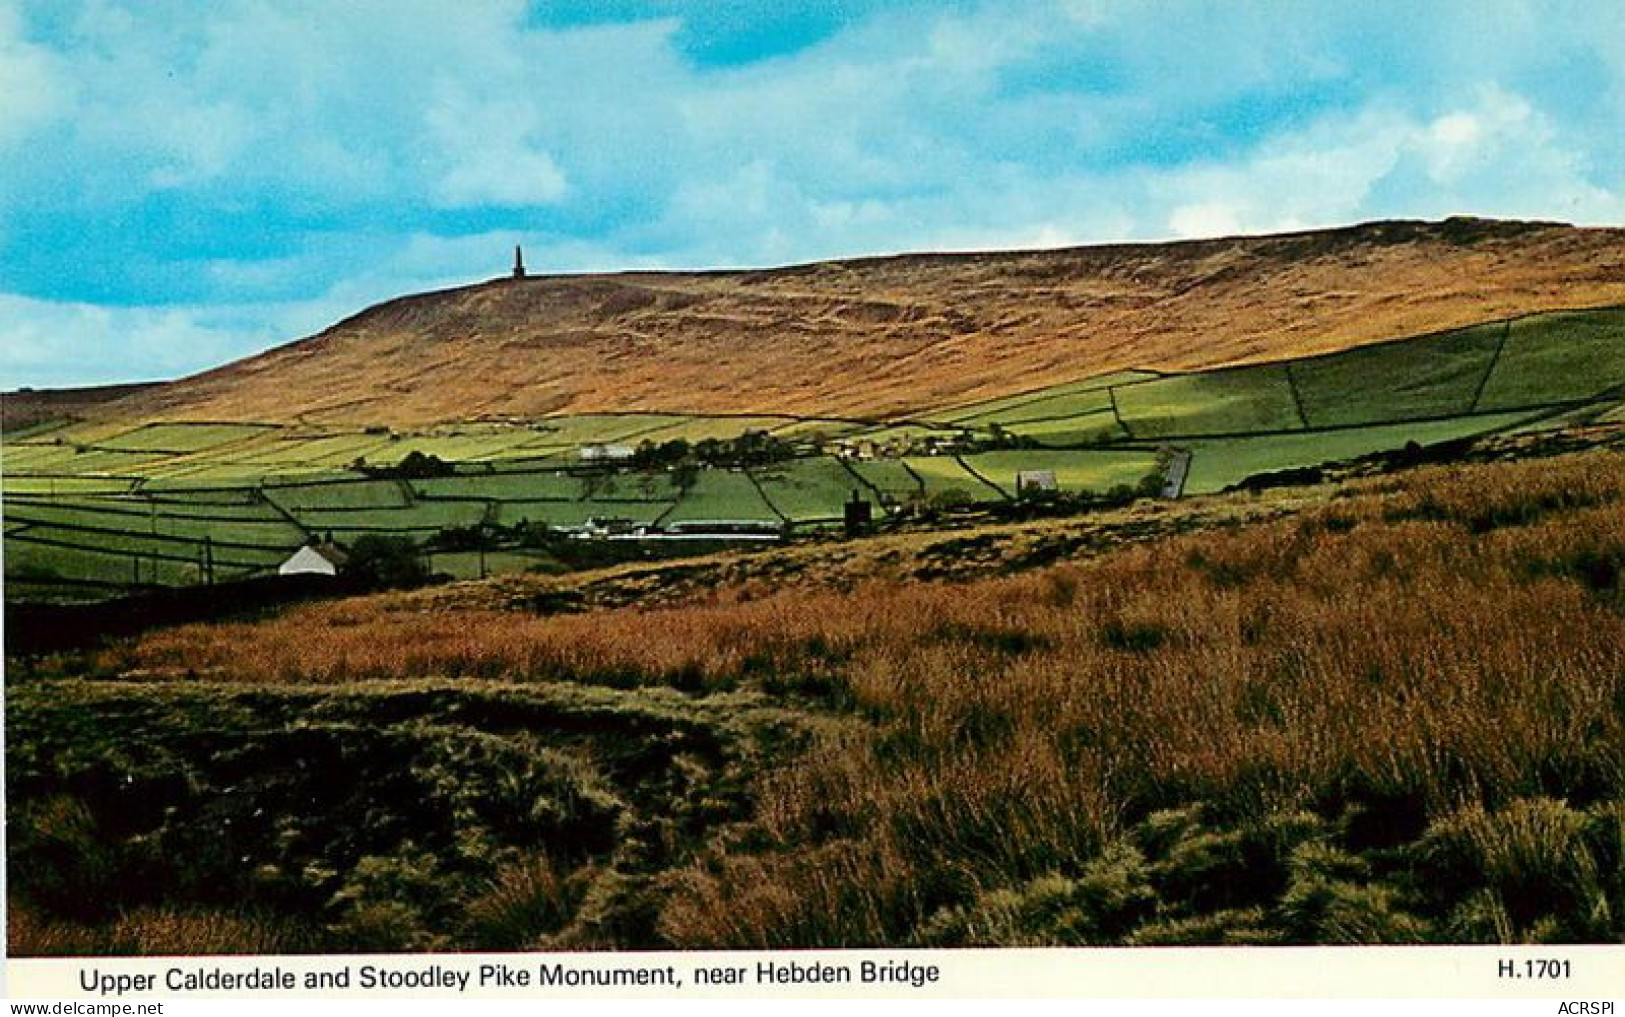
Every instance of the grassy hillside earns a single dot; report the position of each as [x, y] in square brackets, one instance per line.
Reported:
[1388, 709]
[894, 336]
[100, 507]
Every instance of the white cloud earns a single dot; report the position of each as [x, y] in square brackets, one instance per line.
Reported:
[1205, 219]
[491, 154]
[69, 343]
[1493, 155]
[34, 90]
[359, 130]
[53, 343]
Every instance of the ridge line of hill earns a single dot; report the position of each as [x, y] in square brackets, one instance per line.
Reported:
[896, 335]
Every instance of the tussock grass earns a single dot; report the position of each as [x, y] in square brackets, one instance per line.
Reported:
[1399, 716]
[158, 932]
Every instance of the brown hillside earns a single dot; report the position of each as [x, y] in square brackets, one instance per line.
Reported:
[26, 407]
[895, 335]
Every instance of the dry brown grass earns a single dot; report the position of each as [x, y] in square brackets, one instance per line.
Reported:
[1454, 639]
[896, 335]
[1445, 646]
[155, 932]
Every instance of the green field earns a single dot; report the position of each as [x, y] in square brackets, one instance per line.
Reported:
[1018, 407]
[468, 564]
[54, 485]
[537, 486]
[267, 528]
[1098, 428]
[1050, 407]
[77, 460]
[182, 438]
[1219, 463]
[619, 428]
[722, 496]
[1075, 471]
[808, 429]
[43, 558]
[695, 429]
[355, 493]
[88, 503]
[419, 518]
[1552, 358]
[809, 490]
[473, 447]
[1236, 401]
[310, 450]
[946, 477]
[1433, 376]
[635, 486]
[888, 477]
[566, 514]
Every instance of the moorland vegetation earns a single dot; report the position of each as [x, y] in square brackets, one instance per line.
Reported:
[1390, 712]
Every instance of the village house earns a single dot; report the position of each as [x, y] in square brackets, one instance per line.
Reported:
[600, 452]
[315, 558]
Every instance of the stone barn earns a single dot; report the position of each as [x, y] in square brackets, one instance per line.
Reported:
[1035, 482]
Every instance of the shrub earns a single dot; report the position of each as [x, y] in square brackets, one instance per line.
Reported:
[382, 562]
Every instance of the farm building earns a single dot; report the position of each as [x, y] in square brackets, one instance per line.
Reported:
[1035, 481]
[599, 452]
[606, 526]
[1179, 467]
[313, 559]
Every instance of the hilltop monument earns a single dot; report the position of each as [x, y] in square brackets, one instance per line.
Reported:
[518, 262]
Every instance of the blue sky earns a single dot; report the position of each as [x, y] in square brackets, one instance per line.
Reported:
[184, 183]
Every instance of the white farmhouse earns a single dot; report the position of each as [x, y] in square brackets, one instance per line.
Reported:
[599, 452]
[313, 559]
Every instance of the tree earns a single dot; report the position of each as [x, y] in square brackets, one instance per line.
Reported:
[384, 562]
[685, 476]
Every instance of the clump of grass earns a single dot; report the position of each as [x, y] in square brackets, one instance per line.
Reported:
[1332, 899]
[1104, 902]
[33, 932]
[1512, 494]
[525, 901]
[72, 870]
[1525, 872]
[1233, 927]
[160, 932]
[173, 932]
[846, 892]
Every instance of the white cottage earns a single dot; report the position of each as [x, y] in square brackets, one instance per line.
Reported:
[313, 559]
[599, 452]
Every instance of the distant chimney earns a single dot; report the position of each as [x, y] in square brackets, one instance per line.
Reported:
[518, 262]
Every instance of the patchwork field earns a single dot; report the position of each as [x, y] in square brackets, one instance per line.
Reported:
[98, 507]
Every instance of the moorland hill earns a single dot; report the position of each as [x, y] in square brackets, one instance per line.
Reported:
[895, 335]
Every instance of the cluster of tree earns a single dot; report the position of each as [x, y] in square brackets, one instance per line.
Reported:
[565, 550]
[753, 448]
[415, 466]
[1028, 503]
[488, 536]
[998, 438]
[385, 563]
[1031, 503]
